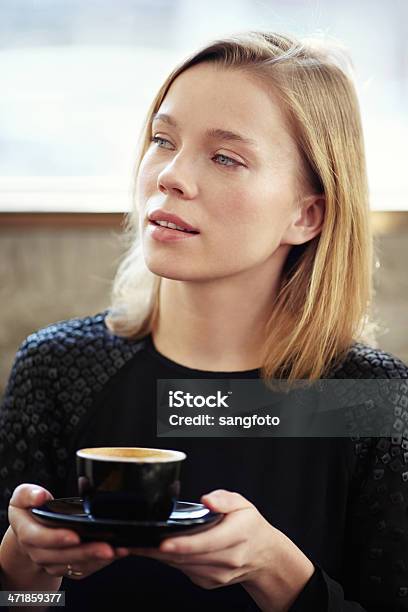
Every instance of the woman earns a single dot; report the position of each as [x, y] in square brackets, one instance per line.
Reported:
[252, 218]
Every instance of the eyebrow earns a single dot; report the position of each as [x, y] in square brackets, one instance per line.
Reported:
[215, 133]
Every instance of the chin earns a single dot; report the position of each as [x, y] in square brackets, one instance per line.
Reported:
[171, 271]
[173, 267]
[180, 272]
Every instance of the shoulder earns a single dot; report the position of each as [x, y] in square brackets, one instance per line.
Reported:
[69, 360]
[378, 410]
[363, 361]
[63, 335]
[69, 340]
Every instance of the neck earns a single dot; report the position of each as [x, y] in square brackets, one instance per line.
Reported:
[216, 325]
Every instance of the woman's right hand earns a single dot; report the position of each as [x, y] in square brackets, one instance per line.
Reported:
[53, 549]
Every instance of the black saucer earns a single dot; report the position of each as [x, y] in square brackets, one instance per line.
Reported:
[69, 512]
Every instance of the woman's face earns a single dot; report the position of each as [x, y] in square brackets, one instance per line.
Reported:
[222, 160]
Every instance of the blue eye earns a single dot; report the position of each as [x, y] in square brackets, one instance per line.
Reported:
[159, 141]
[224, 160]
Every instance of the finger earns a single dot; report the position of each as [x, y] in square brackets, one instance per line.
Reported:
[86, 568]
[230, 532]
[83, 568]
[224, 558]
[224, 501]
[85, 553]
[62, 571]
[56, 570]
[31, 533]
[219, 537]
[24, 525]
[122, 552]
[28, 495]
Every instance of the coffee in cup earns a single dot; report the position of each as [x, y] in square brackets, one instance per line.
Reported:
[129, 483]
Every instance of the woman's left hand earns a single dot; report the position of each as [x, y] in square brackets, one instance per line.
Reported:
[243, 548]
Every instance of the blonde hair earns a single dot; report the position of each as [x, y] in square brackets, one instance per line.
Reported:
[326, 285]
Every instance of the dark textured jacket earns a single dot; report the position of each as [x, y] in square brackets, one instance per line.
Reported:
[61, 373]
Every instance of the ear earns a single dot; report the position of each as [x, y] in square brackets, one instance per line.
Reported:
[308, 220]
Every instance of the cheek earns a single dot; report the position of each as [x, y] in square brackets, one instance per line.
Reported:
[243, 208]
[147, 178]
[233, 203]
[237, 221]
[256, 217]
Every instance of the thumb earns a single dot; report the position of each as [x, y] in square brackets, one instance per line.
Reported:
[29, 495]
[225, 501]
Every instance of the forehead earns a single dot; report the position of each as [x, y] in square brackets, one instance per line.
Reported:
[209, 96]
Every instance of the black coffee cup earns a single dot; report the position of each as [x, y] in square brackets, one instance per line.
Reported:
[129, 483]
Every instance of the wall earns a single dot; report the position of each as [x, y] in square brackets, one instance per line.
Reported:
[47, 275]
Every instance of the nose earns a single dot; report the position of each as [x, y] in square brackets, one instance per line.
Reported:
[177, 179]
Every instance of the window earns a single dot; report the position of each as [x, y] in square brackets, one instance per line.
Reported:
[78, 76]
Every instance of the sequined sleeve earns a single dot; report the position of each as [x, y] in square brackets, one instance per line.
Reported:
[30, 426]
[376, 548]
[58, 374]
[377, 536]
[375, 574]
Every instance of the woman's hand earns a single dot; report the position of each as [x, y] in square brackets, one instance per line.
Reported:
[243, 548]
[52, 549]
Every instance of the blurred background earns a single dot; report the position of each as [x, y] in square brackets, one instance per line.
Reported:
[77, 77]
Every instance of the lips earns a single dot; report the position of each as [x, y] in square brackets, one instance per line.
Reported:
[182, 226]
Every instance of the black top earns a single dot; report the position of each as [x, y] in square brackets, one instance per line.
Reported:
[343, 501]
